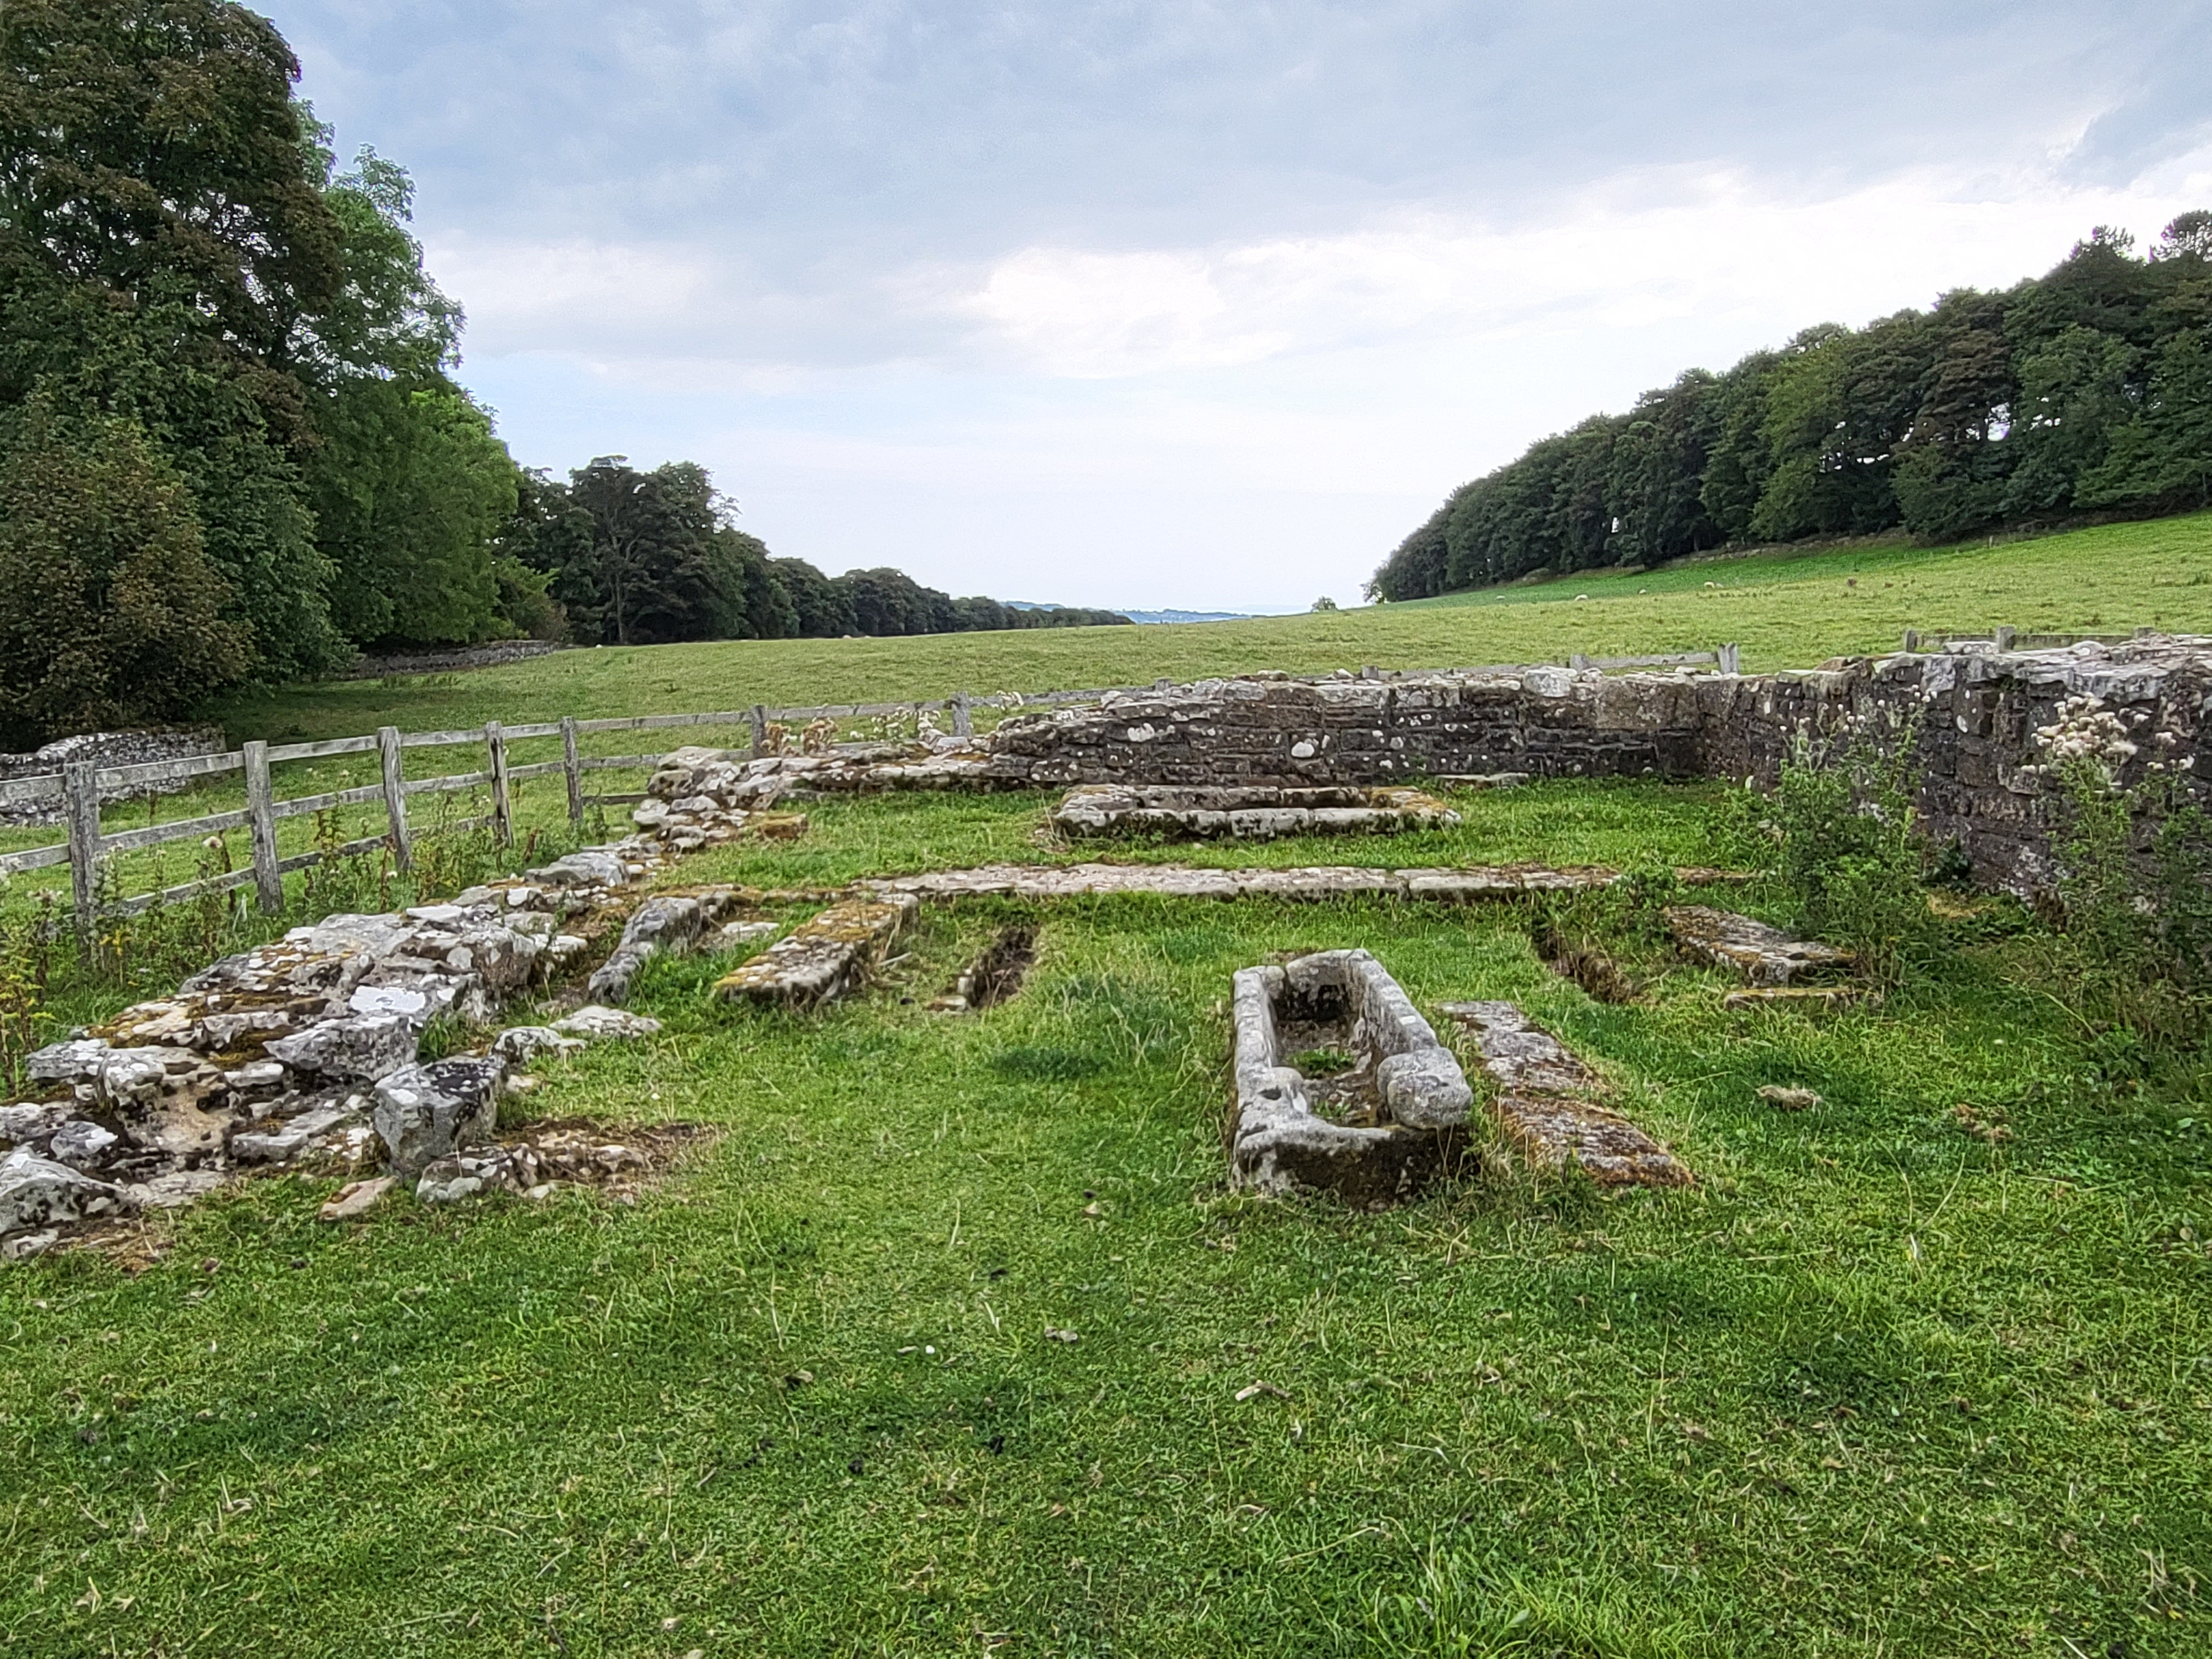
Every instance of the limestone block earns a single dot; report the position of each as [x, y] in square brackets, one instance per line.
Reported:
[1547, 1107]
[594, 1024]
[520, 1044]
[32, 1123]
[81, 1144]
[822, 959]
[593, 867]
[37, 1192]
[282, 1142]
[665, 922]
[1763, 955]
[78, 1061]
[359, 1047]
[425, 1112]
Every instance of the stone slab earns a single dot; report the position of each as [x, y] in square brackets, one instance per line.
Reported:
[1548, 1105]
[1762, 953]
[823, 959]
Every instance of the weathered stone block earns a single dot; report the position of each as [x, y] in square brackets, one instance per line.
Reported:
[1547, 1107]
[37, 1192]
[425, 1112]
[1763, 955]
[824, 958]
[360, 1047]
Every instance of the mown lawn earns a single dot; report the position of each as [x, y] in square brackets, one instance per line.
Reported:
[1876, 1386]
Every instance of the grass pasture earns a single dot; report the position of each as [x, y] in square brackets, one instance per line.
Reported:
[1786, 609]
[1877, 1386]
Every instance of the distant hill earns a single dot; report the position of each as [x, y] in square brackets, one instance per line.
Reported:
[1148, 616]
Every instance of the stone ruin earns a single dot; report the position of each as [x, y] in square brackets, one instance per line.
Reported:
[1972, 711]
[1550, 1104]
[1378, 1130]
[1245, 812]
[309, 1046]
[1375, 1133]
[307, 1049]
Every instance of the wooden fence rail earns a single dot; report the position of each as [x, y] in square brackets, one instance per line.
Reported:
[81, 785]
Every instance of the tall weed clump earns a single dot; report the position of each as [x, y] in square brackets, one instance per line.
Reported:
[1841, 839]
[2133, 911]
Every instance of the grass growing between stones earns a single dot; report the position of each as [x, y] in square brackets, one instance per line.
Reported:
[1879, 1385]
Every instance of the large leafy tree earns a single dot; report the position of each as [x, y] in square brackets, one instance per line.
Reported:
[410, 488]
[110, 611]
[162, 238]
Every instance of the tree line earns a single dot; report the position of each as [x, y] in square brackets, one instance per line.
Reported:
[2085, 390]
[232, 448]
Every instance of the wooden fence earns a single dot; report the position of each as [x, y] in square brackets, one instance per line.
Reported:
[80, 788]
[2011, 639]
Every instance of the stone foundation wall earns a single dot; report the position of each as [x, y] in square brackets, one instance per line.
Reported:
[1549, 721]
[104, 748]
[1973, 714]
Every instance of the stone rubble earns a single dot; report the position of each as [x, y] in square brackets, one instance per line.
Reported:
[1763, 955]
[531, 1168]
[1279, 1140]
[275, 1055]
[1245, 812]
[1547, 1103]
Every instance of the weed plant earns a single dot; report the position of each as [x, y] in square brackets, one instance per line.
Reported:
[2133, 937]
[1840, 836]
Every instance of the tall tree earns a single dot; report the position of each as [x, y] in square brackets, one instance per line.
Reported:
[109, 608]
[161, 236]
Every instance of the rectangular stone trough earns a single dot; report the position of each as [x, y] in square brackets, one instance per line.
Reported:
[822, 960]
[1246, 811]
[1375, 1134]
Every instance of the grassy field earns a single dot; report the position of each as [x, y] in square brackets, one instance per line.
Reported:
[1876, 1386]
[1786, 610]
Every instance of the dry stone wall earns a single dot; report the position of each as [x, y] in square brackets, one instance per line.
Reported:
[1972, 712]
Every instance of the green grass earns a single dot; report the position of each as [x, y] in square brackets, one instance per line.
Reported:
[1875, 1386]
[1787, 610]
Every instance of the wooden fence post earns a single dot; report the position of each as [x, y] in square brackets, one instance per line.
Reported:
[1729, 658]
[80, 808]
[963, 723]
[502, 800]
[395, 797]
[1911, 639]
[1578, 661]
[574, 766]
[261, 824]
[2003, 638]
[760, 730]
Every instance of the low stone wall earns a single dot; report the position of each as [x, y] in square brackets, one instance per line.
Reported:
[104, 748]
[461, 657]
[1973, 714]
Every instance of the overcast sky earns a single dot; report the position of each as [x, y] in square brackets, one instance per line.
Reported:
[1203, 303]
